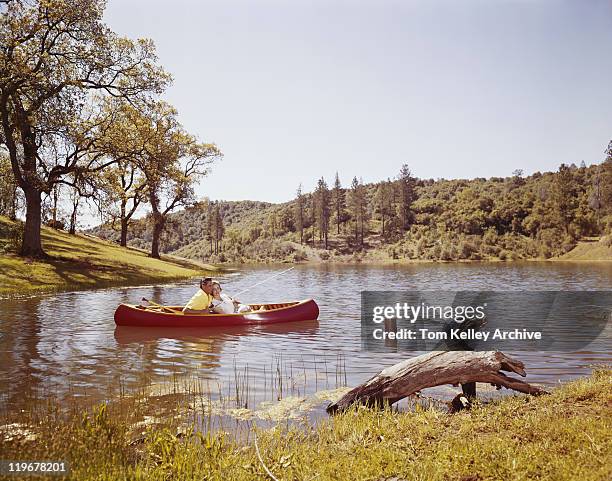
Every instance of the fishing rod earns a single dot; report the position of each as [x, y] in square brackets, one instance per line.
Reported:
[265, 280]
[159, 306]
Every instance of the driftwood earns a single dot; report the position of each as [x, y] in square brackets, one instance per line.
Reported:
[435, 369]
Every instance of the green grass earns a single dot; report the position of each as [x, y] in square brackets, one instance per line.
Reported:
[78, 261]
[562, 436]
[593, 249]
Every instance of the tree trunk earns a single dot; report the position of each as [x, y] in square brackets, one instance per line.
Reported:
[124, 229]
[55, 207]
[361, 232]
[31, 245]
[73, 218]
[158, 227]
[435, 369]
[13, 215]
[124, 223]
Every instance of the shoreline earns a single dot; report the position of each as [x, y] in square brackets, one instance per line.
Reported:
[555, 436]
[221, 268]
[390, 262]
[583, 252]
[17, 294]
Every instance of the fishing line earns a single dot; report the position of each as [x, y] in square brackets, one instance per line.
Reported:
[265, 280]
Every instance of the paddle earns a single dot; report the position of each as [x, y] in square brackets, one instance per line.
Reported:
[155, 304]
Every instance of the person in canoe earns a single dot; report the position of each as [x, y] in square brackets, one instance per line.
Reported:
[221, 303]
[201, 301]
[224, 304]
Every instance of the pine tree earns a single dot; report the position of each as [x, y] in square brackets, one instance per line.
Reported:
[596, 196]
[272, 223]
[383, 203]
[357, 203]
[407, 195]
[211, 225]
[219, 228]
[339, 202]
[299, 213]
[564, 197]
[322, 210]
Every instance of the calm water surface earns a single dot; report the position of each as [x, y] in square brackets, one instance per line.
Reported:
[67, 344]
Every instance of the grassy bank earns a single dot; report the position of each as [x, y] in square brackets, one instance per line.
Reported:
[590, 249]
[563, 436]
[78, 261]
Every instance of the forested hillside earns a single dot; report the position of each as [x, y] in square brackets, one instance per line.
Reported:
[187, 226]
[516, 217]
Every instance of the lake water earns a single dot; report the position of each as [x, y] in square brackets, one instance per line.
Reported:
[67, 344]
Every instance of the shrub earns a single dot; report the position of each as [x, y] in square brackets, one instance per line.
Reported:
[490, 250]
[420, 248]
[515, 256]
[59, 224]
[567, 245]
[299, 256]
[466, 249]
[490, 236]
[14, 236]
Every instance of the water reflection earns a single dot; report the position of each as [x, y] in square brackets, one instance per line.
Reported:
[211, 335]
[171, 350]
[19, 351]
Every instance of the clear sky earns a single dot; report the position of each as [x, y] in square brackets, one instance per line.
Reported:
[295, 90]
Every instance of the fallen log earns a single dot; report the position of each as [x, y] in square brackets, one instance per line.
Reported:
[435, 369]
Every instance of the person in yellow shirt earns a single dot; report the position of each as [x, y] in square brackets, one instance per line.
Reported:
[201, 301]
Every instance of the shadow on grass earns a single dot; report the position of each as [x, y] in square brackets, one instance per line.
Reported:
[61, 241]
[74, 271]
[71, 270]
[83, 262]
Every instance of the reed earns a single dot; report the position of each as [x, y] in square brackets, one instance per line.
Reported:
[563, 436]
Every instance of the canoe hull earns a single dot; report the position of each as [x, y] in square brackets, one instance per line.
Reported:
[131, 315]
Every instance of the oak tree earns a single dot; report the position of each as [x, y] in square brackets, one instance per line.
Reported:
[54, 54]
[172, 162]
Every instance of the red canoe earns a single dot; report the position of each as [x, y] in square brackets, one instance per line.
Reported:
[172, 316]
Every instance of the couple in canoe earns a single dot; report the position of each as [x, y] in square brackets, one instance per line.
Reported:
[210, 300]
